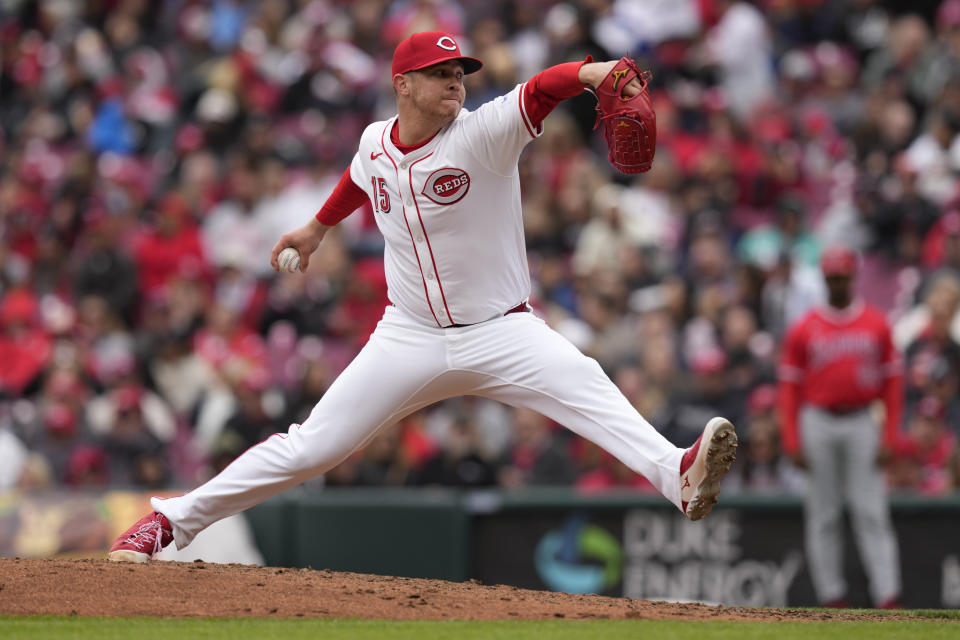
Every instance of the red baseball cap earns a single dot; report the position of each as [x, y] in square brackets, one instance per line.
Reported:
[762, 398]
[428, 48]
[839, 261]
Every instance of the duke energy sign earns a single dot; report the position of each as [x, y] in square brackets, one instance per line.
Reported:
[739, 555]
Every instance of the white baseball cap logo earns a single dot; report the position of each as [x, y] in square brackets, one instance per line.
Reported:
[446, 42]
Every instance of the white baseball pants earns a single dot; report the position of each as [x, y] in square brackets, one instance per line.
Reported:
[841, 452]
[515, 359]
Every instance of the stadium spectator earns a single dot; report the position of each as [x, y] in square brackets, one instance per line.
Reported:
[25, 348]
[932, 444]
[709, 391]
[602, 472]
[459, 462]
[934, 348]
[763, 468]
[536, 456]
[171, 247]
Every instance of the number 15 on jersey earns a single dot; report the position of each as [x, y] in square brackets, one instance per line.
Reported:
[381, 199]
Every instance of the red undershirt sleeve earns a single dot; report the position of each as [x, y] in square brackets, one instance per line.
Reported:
[346, 198]
[544, 91]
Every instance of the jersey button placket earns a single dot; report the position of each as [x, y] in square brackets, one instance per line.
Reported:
[434, 296]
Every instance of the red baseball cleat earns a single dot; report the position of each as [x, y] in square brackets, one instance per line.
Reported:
[703, 465]
[143, 540]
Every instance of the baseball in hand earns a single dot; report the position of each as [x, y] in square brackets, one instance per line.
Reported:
[289, 260]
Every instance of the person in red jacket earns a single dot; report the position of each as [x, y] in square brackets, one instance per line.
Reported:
[171, 248]
[837, 361]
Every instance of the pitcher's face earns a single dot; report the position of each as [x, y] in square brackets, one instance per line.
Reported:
[437, 91]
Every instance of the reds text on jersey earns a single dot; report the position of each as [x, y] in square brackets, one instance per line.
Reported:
[450, 213]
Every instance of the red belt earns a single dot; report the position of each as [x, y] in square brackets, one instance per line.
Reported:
[520, 308]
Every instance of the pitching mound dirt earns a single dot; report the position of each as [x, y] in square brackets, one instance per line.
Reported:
[174, 589]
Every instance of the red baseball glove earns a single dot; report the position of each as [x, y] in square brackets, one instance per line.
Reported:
[629, 124]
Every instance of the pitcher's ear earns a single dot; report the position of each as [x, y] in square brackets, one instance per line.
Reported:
[401, 84]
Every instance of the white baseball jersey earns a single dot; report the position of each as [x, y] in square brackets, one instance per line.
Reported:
[450, 213]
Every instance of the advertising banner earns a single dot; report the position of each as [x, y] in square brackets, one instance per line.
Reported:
[737, 556]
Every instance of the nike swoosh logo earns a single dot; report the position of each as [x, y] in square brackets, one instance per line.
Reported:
[374, 156]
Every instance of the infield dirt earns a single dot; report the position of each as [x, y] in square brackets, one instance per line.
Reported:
[197, 589]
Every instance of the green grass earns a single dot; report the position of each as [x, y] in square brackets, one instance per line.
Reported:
[165, 628]
[953, 614]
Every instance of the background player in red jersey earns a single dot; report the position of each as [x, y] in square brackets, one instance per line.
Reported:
[837, 361]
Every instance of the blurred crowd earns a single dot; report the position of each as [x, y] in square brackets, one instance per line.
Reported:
[151, 154]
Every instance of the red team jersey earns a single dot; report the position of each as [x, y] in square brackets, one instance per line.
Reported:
[840, 361]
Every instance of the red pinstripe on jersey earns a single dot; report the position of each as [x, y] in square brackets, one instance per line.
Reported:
[426, 292]
[429, 248]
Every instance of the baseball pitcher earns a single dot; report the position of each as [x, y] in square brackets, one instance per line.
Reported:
[445, 190]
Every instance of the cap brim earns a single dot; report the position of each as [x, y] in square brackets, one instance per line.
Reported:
[470, 65]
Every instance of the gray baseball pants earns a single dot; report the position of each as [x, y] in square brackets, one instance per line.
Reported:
[841, 452]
